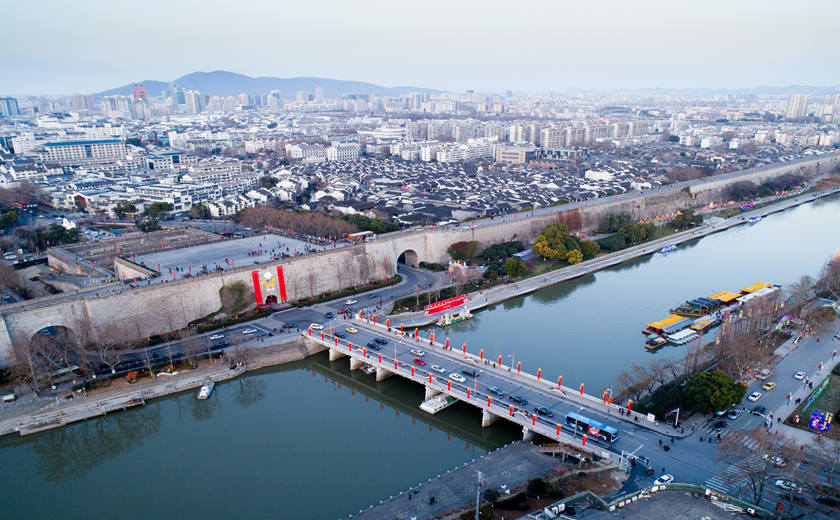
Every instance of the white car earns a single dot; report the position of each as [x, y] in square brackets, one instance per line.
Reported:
[457, 377]
[799, 375]
[249, 331]
[315, 326]
[439, 369]
[755, 396]
[788, 486]
[778, 461]
[418, 353]
[217, 336]
[350, 302]
[664, 479]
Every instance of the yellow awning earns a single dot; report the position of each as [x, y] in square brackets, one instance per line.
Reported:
[724, 296]
[670, 320]
[754, 287]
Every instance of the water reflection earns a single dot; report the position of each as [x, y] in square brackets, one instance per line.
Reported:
[249, 390]
[72, 451]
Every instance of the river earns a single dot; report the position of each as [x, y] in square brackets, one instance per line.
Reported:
[312, 440]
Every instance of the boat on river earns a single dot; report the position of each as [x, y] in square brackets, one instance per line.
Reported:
[205, 391]
[451, 319]
[668, 248]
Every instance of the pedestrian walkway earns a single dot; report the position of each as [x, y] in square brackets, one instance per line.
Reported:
[731, 479]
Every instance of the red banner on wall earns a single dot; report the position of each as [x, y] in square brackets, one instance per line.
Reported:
[445, 304]
[281, 283]
[255, 276]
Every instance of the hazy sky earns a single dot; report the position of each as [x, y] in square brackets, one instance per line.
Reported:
[91, 45]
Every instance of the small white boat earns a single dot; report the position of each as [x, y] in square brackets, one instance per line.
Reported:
[205, 390]
[369, 369]
[668, 248]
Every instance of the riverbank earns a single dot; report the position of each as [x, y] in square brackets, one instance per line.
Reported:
[55, 412]
[500, 293]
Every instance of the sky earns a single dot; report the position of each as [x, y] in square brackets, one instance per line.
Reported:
[61, 47]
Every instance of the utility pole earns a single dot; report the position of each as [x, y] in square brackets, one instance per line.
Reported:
[478, 477]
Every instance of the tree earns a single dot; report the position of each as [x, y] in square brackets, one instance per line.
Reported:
[200, 211]
[685, 220]
[708, 392]
[611, 223]
[590, 248]
[574, 256]
[491, 495]
[462, 250]
[514, 267]
[555, 242]
[828, 283]
[800, 293]
[134, 141]
[9, 218]
[156, 208]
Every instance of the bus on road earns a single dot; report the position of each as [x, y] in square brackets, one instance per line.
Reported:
[591, 427]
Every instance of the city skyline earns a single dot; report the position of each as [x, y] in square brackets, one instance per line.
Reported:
[716, 45]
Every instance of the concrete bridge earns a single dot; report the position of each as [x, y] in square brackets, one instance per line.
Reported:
[534, 402]
[107, 313]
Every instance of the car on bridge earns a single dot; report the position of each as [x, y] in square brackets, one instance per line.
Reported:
[217, 336]
[418, 353]
[755, 396]
[381, 341]
[373, 346]
[496, 390]
[457, 377]
[439, 369]
[418, 361]
[542, 410]
[316, 326]
[352, 330]
[518, 399]
[249, 331]
[339, 334]
[470, 372]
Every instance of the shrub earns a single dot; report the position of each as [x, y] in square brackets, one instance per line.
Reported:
[462, 250]
[536, 487]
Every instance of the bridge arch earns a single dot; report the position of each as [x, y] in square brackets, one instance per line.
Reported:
[408, 257]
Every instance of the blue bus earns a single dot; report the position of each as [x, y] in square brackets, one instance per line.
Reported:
[591, 427]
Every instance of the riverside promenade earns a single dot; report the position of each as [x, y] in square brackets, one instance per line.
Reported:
[35, 415]
[512, 466]
[499, 293]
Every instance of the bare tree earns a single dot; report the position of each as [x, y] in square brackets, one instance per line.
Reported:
[800, 293]
[829, 280]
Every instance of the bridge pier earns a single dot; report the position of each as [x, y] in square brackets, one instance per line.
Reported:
[356, 364]
[430, 392]
[488, 418]
[335, 354]
[528, 435]
[382, 374]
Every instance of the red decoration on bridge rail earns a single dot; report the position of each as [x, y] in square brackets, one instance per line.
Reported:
[445, 304]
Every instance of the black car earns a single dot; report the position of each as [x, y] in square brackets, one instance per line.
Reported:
[339, 334]
[720, 425]
[372, 296]
[542, 410]
[381, 341]
[373, 345]
[329, 315]
[470, 372]
[760, 409]
[518, 399]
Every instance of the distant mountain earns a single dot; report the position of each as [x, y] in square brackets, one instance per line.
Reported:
[223, 83]
[701, 92]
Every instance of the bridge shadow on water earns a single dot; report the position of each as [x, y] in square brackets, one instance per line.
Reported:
[399, 396]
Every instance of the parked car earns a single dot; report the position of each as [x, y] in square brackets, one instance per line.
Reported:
[755, 396]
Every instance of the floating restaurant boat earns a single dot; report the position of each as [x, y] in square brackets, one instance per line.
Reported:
[205, 391]
[668, 248]
[669, 325]
[682, 337]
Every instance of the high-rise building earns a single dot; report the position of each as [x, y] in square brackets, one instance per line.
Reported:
[82, 102]
[275, 99]
[118, 106]
[797, 106]
[194, 101]
[319, 93]
[140, 93]
[302, 96]
[177, 94]
[9, 106]
[243, 99]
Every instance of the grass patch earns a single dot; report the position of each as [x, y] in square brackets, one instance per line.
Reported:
[828, 400]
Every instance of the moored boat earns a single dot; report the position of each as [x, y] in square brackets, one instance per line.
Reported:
[205, 391]
[668, 248]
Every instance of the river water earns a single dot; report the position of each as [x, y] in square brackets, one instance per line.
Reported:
[312, 440]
